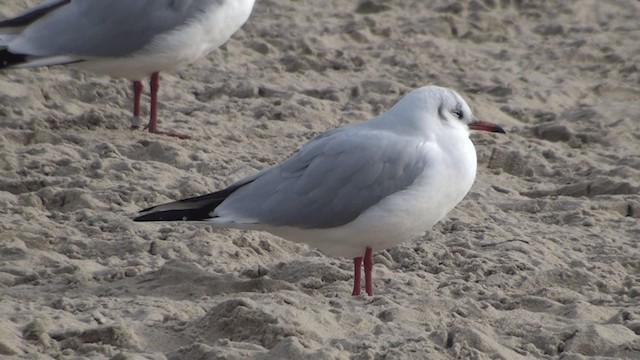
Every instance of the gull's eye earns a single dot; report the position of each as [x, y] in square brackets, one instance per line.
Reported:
[457, 113]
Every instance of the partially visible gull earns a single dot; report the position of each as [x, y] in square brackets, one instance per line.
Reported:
[131, 39]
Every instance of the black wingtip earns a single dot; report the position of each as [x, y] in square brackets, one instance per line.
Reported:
[198, 214]
[33, 15]
[8, 59]
[199, 208]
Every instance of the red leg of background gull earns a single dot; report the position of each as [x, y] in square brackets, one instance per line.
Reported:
[154, 84]
[357, 268]
[137, 92]
[368, 266]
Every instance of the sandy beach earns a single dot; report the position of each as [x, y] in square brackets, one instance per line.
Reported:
[541, 260]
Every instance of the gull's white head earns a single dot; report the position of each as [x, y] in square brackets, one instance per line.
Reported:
[443, 108]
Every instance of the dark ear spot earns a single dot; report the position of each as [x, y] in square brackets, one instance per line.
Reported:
[459, 112]
[441, 112]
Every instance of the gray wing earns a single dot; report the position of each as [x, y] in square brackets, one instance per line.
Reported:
[16, 24]
[109, 28]
[331, 180]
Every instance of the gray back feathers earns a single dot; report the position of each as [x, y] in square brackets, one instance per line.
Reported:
[331, 180]
[107, 28]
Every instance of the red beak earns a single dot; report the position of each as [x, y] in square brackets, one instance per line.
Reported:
[486, 126]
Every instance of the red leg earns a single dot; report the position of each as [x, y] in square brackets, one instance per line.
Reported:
[357, 268]
[154, 84]
[137, 92]
[368, 267]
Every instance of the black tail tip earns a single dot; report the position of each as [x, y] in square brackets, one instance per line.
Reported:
[143, 215]
[169, 215]
[146, 217]
[8, 59]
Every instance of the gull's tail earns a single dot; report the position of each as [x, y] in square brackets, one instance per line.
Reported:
[10, 29]
[197, 208]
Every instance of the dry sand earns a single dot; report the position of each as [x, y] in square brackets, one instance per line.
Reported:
[540, 261]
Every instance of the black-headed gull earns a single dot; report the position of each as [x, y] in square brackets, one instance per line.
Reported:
[131, 39]
[354, 189]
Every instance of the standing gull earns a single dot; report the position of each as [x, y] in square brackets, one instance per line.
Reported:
[131, 39]
[355, 189]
